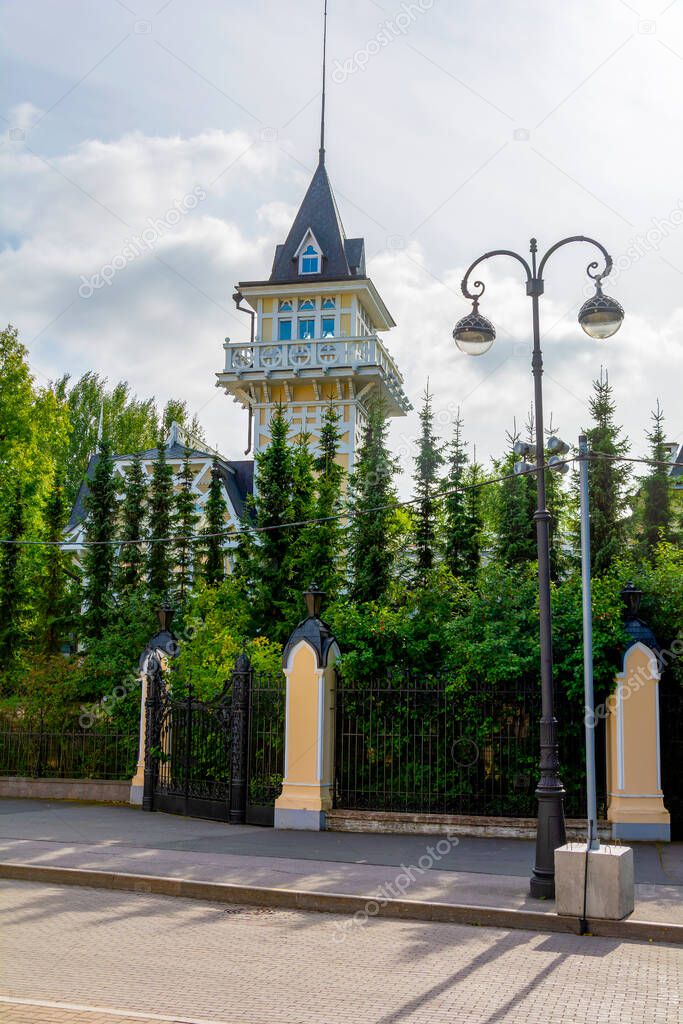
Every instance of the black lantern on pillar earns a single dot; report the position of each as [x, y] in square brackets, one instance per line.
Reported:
[165, 617]
[632, 596]
[314, 601]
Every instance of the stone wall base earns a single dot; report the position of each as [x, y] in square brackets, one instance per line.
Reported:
[445, 824]
[94, 790]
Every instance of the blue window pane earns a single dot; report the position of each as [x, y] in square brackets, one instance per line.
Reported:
[306, 303]
[309, 265]
[285, 330]
[285, 306]
[329, 304]
[306, 329]
[328, 327]
[310, 250]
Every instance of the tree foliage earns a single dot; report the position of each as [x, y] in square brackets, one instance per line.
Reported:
[463, 509]
[131, 572]
[656, 487]
[324, 541]
[161, 519]
[428, 461]
[100, 532]
[215, 514]
[607, 478]
[186, 519]
[372, 504]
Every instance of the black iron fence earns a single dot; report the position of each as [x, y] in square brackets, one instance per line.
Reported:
[36, 748]
[266, 754]
[441, 747]
[671, 745]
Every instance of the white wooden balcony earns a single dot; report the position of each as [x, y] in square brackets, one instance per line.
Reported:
[315, 359]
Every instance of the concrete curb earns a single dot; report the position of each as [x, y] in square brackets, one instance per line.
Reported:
[341, 903]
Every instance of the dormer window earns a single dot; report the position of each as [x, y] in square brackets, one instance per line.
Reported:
[309, 254]
[310, 260]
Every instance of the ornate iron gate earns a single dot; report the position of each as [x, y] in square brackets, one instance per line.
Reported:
[671, 746]
[204, 758]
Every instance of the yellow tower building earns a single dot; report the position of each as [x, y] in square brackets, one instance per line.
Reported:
[316, 326]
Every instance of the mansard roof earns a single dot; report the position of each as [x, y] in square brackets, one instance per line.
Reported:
[343, 258]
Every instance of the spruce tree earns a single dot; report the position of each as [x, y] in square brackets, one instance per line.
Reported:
[657, 517]
[215, 513]
[428, 461]
[301, 566]
[100, 531]
[263, 559]
[371, 535]
[607, 478]
[53, 601]
[12, 584]
[463, 515]
[132, 555]
[161, 524]
[324, 539]
[186, 519]
[515, 505]
[474, 515]
[557, 503]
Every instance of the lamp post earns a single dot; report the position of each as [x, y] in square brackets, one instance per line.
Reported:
[600, 317]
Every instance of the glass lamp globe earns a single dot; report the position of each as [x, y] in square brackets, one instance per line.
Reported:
[601, 316]
[474, 334]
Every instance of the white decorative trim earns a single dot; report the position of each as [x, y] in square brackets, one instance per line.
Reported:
[321, 724]
[308, 234]
[654, 665]
[659, 758]
[620, 737]
[288, 673]
[636, 796]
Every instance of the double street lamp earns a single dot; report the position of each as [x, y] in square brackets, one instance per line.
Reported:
[600, 317]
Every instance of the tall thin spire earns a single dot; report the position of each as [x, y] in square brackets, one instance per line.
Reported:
[322, 116]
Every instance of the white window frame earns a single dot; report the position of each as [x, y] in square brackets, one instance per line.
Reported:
[317, 314]
[309, 239]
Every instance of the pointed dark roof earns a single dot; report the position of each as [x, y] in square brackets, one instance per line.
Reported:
[237, 477]
[342, 258]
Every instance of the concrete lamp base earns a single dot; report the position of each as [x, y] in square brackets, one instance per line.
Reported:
[610, 891]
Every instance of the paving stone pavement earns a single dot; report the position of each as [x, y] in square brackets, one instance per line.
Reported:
[184, 960]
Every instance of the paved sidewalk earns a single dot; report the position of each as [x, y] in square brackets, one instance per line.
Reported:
[482, 872]
[94, 957]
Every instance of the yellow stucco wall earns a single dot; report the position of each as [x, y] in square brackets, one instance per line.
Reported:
[302, 738]
[309, 762]
[633, 783]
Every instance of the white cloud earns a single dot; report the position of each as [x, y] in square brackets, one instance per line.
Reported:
[162, 320]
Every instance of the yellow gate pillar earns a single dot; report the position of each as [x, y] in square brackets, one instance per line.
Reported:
[635, 801]
[309, 659]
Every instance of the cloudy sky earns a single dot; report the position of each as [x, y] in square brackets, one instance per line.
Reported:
[453, 128]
